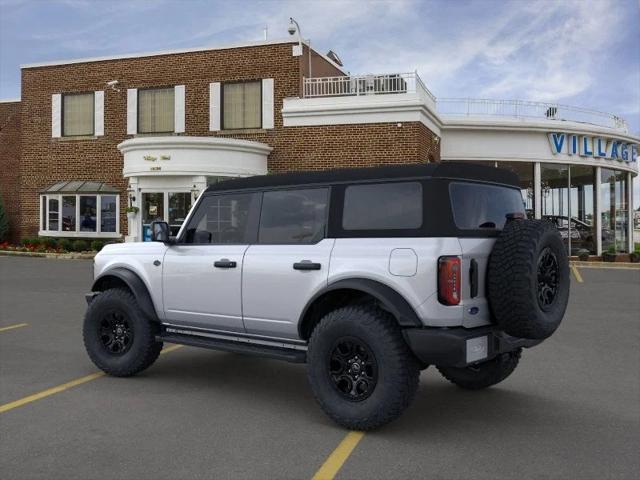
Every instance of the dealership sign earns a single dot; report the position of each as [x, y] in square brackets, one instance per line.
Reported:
[597, 147]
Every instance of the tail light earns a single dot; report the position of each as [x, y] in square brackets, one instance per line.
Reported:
[449, 280]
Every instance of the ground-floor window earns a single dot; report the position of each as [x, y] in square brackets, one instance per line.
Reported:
[170, 207]
[525, 171]
[614, 195]
[79, 215]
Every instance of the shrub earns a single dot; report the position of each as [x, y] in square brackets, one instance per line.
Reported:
[80, 246]
[65, 244]
[34, 241]
[51, 243]
[4, 223]
[583, 254]
[97, 245]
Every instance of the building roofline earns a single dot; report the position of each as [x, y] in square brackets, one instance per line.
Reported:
[172, 52]
[10, 100]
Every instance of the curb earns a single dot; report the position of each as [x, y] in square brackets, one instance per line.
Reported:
[607, 265]
[59, 256]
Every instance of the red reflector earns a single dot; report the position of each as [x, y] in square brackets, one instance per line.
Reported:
[449, 280]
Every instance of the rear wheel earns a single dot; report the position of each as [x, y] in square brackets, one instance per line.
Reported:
[119, 339]
[360, 369]
[483, 375]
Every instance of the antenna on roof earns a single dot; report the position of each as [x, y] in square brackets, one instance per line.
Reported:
[266, 32]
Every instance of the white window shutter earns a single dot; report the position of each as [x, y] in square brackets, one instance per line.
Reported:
[267, 103]
[132, 111]
[178, 109]
[214, 106]
[98, 113]
[56, 115]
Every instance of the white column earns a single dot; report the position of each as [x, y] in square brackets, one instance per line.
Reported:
[133, 223]
[537, 190]
[598, 211]
[132, 111]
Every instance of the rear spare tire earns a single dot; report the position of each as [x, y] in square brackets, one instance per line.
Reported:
[528, 279]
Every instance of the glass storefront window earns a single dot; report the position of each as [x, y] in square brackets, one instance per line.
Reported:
[108, 213]
[614, 194]
[555, 197]
[582, 208]
[88, 213]
[69, 213]
[525, 172]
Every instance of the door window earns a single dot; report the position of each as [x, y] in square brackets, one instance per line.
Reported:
[224, 219]
[294, 216]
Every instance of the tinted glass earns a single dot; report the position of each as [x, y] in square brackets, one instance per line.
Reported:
[69, 214]
[223, 219]
[88, 214]
[108, 218]
[483, 206]
[293, 216]
[383, 206]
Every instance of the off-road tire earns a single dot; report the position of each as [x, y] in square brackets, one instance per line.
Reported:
[483, 375]
[143, 350]
[514, 279]
[398, 370]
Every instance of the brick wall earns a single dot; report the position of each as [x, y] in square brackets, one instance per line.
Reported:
[46, 160]
[10, 163]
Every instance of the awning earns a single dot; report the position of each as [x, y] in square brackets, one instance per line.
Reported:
[80, 186]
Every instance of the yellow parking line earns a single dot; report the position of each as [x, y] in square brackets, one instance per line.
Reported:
[576, 274]
[61, 388]
[334, 463]
[11, 327]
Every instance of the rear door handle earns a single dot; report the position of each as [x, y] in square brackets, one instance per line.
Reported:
[224, 263]
[306, 265]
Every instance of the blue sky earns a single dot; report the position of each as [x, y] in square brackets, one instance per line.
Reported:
[577, 52]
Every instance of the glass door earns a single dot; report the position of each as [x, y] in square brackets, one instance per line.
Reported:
[153, 209]
[170, 207]
[555, 199]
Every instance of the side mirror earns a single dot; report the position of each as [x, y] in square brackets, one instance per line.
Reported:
[160, 232]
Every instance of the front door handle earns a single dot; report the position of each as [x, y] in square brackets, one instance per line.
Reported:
[224, 263]
[306, 265]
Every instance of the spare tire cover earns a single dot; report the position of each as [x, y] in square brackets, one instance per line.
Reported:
[528, 279]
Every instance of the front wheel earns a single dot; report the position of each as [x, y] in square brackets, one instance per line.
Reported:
[360, 369]
[483, 375]
[119, 339]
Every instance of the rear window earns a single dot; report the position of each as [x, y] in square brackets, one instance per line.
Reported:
[383, 206]
[293, 216]
[476, 206]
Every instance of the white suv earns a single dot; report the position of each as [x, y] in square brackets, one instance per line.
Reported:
[367, 275]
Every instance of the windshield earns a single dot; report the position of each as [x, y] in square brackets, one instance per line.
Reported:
[478, 206]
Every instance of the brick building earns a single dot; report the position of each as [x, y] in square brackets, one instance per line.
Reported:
[91, 137]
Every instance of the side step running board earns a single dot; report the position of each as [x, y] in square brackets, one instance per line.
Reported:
[289, 355]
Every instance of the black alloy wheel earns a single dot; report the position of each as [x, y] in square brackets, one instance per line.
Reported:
[353, 369]
[548, 273]
[116, 332]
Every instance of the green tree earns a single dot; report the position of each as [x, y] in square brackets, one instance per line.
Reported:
[4, 223]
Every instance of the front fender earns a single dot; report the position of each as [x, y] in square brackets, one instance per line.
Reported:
[133, 282]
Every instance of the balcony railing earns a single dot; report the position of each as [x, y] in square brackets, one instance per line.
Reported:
[356, 85]
[525, 109]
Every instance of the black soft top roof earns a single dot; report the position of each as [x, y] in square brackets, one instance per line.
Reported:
[454, 170]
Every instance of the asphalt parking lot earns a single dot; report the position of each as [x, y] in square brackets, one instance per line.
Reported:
[571, 409]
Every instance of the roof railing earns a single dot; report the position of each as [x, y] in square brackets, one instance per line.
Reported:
[527, 109]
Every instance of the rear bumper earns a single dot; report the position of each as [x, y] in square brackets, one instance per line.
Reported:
[459, 347]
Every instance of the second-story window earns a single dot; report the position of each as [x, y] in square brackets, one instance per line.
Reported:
[78, 114]
[156, 110]
[242, 105]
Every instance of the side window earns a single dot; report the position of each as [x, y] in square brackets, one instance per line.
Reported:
[224, 219]
[383, 206]
[293, 216]
[478, 206]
